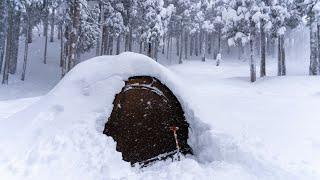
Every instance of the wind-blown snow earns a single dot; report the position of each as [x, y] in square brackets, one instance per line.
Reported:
[60, 135]
[63, 130]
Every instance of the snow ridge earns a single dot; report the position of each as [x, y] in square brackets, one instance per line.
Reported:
[60, 136]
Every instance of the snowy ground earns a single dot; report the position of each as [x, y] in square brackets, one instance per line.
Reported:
[274, 118]
[266, 130]
[40, 77]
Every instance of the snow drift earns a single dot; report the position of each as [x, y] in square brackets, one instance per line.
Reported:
[63, 130]
[61, 135]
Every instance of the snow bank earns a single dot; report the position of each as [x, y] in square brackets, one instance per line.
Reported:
[63, 130]
[60, 136]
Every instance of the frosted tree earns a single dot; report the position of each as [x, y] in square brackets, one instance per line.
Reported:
[156, 19]
[264, 23]
[115, 23]
[45, 28]
[205, 26]
[53, 6]
[279, 14]
[180, 23]
[3, 28]
[242, 23]
[236, 25]
[88, 31]
[194, 27]
[30, 13]
[12, 39]
[128, 13]
[71, 28]
[311, 9]
[218, 8]
[253, 11]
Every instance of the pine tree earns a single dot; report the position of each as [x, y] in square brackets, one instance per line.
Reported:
[3, 28]
[310, 9]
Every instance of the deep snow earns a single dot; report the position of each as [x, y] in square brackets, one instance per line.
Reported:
[266, 130]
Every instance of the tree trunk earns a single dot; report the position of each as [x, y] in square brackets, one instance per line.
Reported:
[203, 46]
[268, 44]
[140, 43]
[45, 31]
[66, 50]
[218, 58]
[25, 57]
[111, 45]
[279, 57]
[178, 45]
[214, 46]
[140, 46]
[168, 45]
[240, 50]
[130, 39]
[118, 44]
[46, 18]
[45, 48]
[196, 42]
[15, 40]
[74, 33]
[59, 32]
[181, 48]
[3, 27]
[164, 45]
[209, 43]
[52, 25]
[150, 49]
[30, 33]
[258, 43]
[253, 75]
[8, 46]
[191, 44]
[283, 57]
[145, 45]
[273, 47]
[318, 40]
[61, 46]
[171, 49]
[126, 41]
[156, 49]
[106, 41]
[252, 62]
[263, 50]
[186, 39]
[100, 40]
[5, 75]
[200, 41]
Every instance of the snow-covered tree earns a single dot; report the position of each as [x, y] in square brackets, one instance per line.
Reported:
[311, 9]
[155, 21]
[3, 28]
[279, 14]
[243, 21]
[30, 13]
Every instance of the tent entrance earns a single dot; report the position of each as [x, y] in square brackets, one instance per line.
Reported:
[141, 122]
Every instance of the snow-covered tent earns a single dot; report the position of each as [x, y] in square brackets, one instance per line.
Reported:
[60, 136]
[64, 129]
[147, 121]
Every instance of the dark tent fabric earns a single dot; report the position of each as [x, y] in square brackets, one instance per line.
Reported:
[140, 122]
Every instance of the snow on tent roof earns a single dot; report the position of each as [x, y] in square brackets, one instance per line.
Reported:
[60, 136]
[63, 130]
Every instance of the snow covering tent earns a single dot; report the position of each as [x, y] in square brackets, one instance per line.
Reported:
[141, 122]
[60, 136]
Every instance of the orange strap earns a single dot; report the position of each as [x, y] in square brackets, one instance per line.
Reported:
[175, 129]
